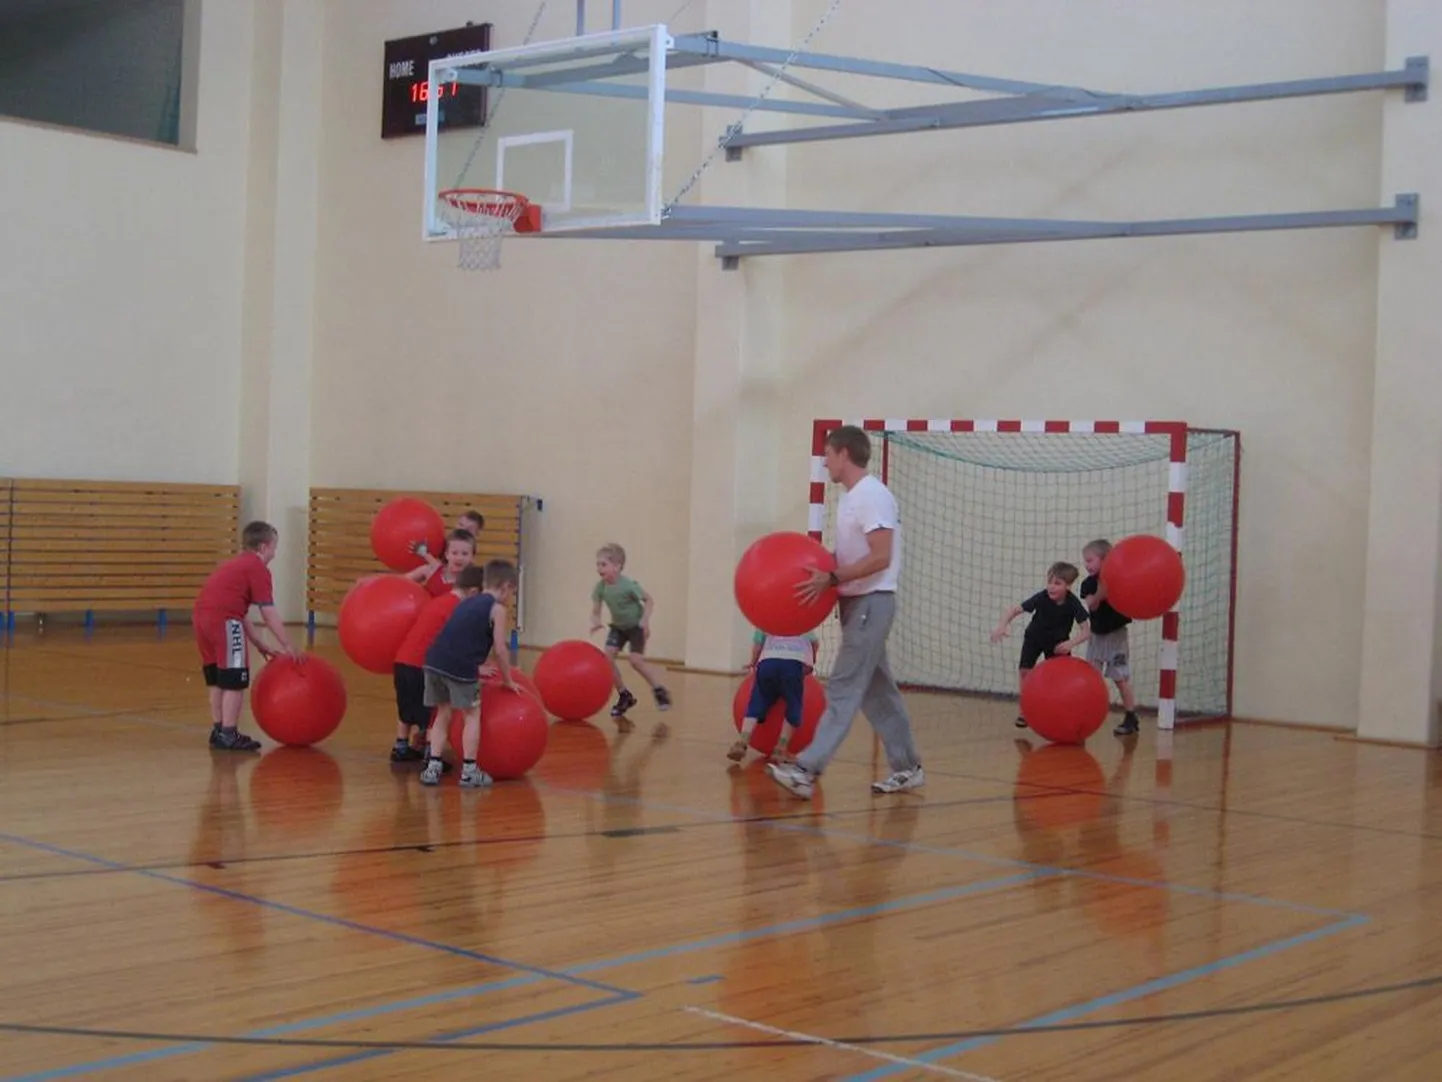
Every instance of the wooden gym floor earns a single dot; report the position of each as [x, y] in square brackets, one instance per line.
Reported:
[1234, 903]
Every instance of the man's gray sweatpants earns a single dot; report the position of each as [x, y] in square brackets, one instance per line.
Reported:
[861, 680]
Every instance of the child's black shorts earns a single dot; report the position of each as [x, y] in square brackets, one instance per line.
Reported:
[410, 683]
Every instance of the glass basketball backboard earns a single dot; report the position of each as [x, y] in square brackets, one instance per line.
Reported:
[576, 126]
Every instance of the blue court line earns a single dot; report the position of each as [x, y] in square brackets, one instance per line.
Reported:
[1126, 995]
[398, 1006]
[968, 854]
[457, 1035]
[787, 928]
[712, 979]
[296, 911]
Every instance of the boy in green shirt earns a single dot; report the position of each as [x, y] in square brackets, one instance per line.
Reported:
[630, 607]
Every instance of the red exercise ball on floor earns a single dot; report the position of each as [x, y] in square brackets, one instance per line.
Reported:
[521, 680]
[298, 701]
[768, 729]
[402, 524]
[766, 580]
[375, 618]
[1143, 576]
[513, 732]
[1065, 700]
[574, 679]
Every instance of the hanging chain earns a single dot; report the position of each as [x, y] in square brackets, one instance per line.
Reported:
[500, 95]
[736, 127]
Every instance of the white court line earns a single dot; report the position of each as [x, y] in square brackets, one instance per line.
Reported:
[950, 1072]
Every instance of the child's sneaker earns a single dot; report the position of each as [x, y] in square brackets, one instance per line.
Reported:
[1129, 726]
[404, 753]
[737, 751]
[431, 775]
[624, 701]
[901, 781]
[232, 740]
[1021, 722]
[473, 777]
[793, 778]
[663, 699]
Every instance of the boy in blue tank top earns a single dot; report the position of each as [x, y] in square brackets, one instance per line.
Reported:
[472, 641]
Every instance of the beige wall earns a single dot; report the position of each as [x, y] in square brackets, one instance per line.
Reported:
[121, 288]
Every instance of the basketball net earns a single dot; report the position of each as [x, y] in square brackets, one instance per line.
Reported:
[480, 218]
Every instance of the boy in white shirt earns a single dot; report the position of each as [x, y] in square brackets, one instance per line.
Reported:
[868, 557]
[780, 664]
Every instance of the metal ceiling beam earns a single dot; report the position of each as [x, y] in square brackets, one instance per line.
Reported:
[813, 89]
[789, 218]
[1402, 216]
[712, 45]
[1413, 77]
[638, 92]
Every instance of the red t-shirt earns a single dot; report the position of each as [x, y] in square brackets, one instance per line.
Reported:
[234, 586]
[436, 585]
[424, 631]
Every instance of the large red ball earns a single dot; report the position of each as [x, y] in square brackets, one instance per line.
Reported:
[521, 680]
[766, 580]
[1143, 576]
[575, 680]
[375, 618]
[401, 525]
[513, 732]
[1065, 700]
[768, 729]
[298, 701]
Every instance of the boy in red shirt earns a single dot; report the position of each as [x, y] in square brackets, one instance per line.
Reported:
[439, 578]
[413, 716]
[222, 631]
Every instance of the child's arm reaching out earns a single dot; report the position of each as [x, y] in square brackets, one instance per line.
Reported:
[1005, 625]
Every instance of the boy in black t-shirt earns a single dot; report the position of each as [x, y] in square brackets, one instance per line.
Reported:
[471, 643]
[1107, 646]
[1053, 612]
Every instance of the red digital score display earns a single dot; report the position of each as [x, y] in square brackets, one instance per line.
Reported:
[421, 92]
[407, 93]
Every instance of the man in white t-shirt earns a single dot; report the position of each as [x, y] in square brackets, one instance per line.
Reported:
[868, 558]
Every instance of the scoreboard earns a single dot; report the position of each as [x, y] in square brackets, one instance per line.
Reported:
[407, 91]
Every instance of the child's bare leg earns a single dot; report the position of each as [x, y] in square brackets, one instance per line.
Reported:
[652, 675]
[624, 699]
[1130, 724]
[230, 704]
[782, 751]
[471, 734]
[217, 716]
[649, 672]
[440, 729]
[1129, 697]
[737, 751]
[1021, 675]
[616, 677]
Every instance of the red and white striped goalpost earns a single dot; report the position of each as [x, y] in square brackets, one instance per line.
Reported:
[1176, 431]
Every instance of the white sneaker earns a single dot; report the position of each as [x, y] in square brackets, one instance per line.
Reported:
[901, 781]
[792, 778]
[431, 775]
[473, 777]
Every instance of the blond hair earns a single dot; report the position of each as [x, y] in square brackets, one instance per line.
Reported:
[613, 552]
